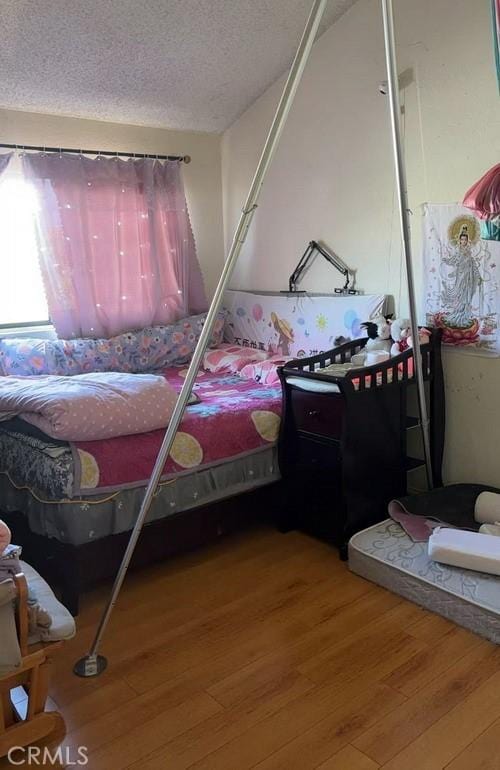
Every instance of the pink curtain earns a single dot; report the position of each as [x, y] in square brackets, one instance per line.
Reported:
[116, 247]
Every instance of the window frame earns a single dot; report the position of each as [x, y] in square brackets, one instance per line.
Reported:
[27, 324]
[43, 330]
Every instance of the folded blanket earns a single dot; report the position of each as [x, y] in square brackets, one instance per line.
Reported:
[87, 407]
[469, 550]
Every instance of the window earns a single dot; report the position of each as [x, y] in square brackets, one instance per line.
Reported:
[22, 297]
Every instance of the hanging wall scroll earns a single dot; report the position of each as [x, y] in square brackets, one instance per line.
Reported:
[461, 279]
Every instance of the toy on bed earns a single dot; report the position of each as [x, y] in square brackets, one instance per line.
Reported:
[379, 334]
[378, 346]
[401, 335]
[387, 338]
[424, 336]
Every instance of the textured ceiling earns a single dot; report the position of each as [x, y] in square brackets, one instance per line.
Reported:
[183, 64]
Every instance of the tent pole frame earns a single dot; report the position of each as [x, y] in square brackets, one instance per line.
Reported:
[94, 664]
[404, 212]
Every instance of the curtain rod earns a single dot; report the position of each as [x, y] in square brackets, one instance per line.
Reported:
[181, 158]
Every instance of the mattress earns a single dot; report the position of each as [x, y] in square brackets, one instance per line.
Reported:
[313, 386]
[386, 555]
[321, 386]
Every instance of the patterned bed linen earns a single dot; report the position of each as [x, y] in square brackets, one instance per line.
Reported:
[234, 418]
[32, 460]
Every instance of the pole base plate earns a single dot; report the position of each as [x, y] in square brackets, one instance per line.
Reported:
[90, 665]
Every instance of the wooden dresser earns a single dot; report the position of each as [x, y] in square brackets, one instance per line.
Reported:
[343, 447]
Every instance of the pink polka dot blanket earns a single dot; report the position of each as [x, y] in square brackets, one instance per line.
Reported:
[235, 417]
[88, 406]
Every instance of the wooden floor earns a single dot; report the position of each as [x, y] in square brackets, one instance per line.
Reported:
[264, 651]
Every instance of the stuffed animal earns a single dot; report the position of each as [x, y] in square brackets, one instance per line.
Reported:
[340, 340]
[401, 334]
[379, 334]
[378, 345]
[423, 337]
[5, 537]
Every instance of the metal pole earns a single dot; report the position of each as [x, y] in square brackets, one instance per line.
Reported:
[399, 166]
[94, 664]
[106, 153]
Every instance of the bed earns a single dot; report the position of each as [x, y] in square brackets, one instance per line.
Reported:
[83, 493]
[386, 555]
[234, 425]
[72, 505]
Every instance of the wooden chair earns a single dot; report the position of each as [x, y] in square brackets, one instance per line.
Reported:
[36, 725]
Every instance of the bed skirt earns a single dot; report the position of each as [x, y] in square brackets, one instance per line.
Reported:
[80, 521]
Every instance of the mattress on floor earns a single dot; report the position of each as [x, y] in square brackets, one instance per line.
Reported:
[386, 555]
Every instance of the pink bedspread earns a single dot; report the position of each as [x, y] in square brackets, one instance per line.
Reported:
[235, 417]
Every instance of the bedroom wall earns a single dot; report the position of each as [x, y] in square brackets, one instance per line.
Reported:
[332, 178]
[202, 176]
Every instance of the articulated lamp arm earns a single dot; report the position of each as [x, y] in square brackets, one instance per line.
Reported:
[335, 261]
[301, 267]
[308, 255]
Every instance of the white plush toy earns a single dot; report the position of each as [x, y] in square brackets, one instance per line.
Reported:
[379, 334]
[401, 334]
[378, 345]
